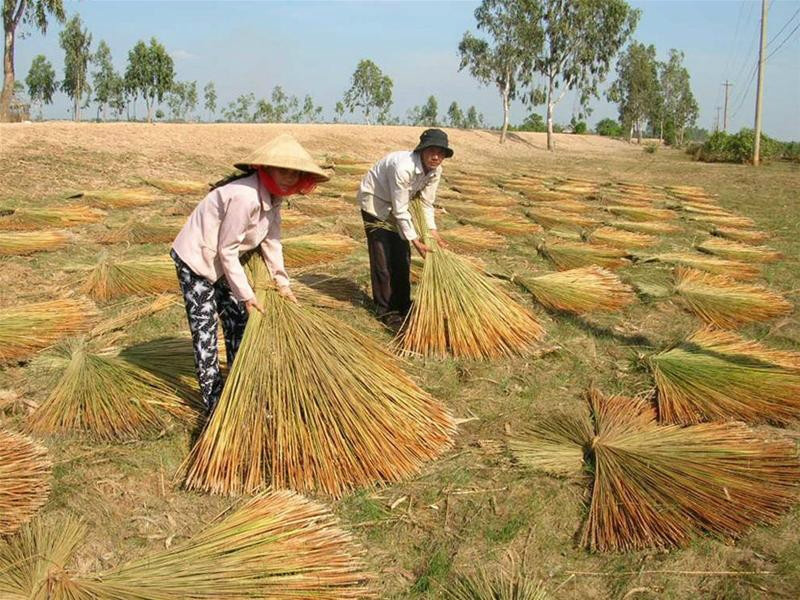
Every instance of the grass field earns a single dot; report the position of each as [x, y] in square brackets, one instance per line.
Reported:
[474, 506]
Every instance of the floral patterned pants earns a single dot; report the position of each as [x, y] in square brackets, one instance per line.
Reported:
[207, 303]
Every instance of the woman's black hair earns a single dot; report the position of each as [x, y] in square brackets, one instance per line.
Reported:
[238, 174]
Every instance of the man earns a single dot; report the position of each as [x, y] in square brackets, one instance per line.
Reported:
[384, 196]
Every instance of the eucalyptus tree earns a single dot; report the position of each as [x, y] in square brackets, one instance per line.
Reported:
[680, 108]
[455, 115]
[636, 89]
[41, 82]
[150, 73]
[104, 78]
[210, 98]
[370, 90]
[76, 42]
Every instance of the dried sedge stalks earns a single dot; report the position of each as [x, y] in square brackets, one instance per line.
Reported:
[658, 486]
[318, 248]
[567, 206]
[543, 195]
[737, 251]
[143, 276]
[294, 220]
[322, 208]
[132, 311]
[566, 255]
[646, 227]
[29, 219]
[500, 586]
[620, 238]
[642, 213]
[118, 198]
[26, 329]
[726, 303]
[507, 224]
[179, 186]
[105, 397]
[740, 235]
[580, 291]
[467, 239]
[720, 266]
[325, 291]
[719, 375]
[468, 210]
[276, 546]
[140, 233]
[24, 480]
[20, 243]
[313, 405]
[547, 217]
[722, 221]
[499, 200]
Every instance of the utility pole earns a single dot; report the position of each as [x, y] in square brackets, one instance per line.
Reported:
[760, 88]
[726, 85]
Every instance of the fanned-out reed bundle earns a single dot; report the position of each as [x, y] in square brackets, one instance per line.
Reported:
[171, 360]
[276, 546]
[566, 233]
[642, 213]
[565, 206]
[723, 221]
[659, 486]
[24, 480]
[294, 220]
[580, 291]
[471, 190]
[28, 219]
[132, 311]
[181, 207]
[356, 168]
[724, 302]
[317, 248]
[179, 186]
[103, 396]
[469, 210]
[118, 198]
[506, 224]
[645, 227]
[719, 375]
[576, 189]
[748, 236]
[20, 243]
[500, 586]
[738, 251]
[567, 255]
[732, 268]
[137, 232]
[467, 238]
[703, 209]
[28, 328]
[548, 217]
[459, 311]
[493, 199]
[322, 207]
[327, 292]
[620, 238]
[313, 405]
[141, 276]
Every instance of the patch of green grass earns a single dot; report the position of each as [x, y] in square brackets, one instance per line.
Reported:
[435, 570]
[507, 531]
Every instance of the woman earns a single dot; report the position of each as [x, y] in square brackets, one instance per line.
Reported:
[240, 213]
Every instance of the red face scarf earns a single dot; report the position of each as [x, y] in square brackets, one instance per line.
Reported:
[304, 185]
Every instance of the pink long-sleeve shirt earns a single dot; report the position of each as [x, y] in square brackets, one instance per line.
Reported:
[229, 221]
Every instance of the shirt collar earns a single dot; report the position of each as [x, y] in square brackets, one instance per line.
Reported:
[266, 199]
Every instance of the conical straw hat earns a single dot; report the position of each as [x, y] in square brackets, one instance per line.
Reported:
[283, 151]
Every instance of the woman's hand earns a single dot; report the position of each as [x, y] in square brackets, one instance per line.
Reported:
[421, 248]
[285, 292]
[439, 239]
[252, 304]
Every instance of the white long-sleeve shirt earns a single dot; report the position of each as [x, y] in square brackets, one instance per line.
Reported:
[388, 187]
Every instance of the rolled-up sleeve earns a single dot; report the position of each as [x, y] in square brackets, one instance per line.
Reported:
[239, 213]
[399, 189]
[428, 197]
[272, 251]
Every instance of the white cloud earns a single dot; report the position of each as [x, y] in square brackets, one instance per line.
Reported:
[182, 55]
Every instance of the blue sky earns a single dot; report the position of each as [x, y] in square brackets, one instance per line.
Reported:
[312, 47]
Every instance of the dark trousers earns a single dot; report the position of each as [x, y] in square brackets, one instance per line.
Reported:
[207, 303]
[390, 268]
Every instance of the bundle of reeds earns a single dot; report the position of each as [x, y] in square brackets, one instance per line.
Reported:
[567, 206]
[620, 238]
[356, 168]
[748, 236]
[21, 243]
[505, 224]
[731, 268]
[317, 248]
[642, 213]
[276, 546]
[131, 311]
[737, 251]
[181, 207]
[179, 186]
[719, 375]
[469, 210]
[24, 480]
[725, 302]
[322, 207]
[291, 220]
[312, 405]
[645, 227]
[470, 190]
[724, 221]
[326, 291]
[545, 195]
[137, 232]
[28, 328]
[580, 291]
[110, 279]
[500, 586]
[493, 199]
[568, 255]
[548, 217]
[467, 238]
[118, 198]
[658, 486]
[28, 219]
[103, 396]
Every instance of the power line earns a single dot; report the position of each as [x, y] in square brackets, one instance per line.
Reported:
[785, 25]
[734, 39]
[783, 43]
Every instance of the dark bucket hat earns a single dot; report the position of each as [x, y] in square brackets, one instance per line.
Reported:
[434, 137]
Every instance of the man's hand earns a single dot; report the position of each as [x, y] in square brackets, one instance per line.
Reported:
[439, 239]
[285, 292]
[252, 304]
[421, 248]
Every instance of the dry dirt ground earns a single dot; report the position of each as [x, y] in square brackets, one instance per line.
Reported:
[474, 506]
